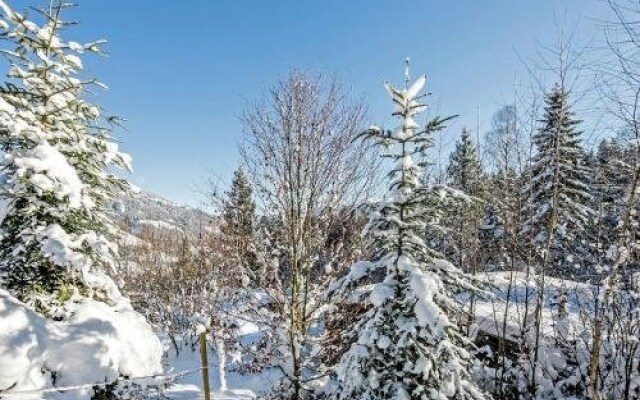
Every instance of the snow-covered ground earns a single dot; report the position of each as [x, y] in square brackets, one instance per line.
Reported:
[509, 302]
[239, 387]
[98, 344]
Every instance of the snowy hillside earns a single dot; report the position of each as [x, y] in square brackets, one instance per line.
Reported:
[507, 308]
[144, 210]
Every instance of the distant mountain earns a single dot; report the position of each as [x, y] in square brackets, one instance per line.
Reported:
[145, 210]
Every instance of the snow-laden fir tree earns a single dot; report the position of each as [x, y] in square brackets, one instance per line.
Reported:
[406, 346]
[464, 173]
[614, 172]
[558, 210]
[559, 191]
[239, 208]
[57, 149]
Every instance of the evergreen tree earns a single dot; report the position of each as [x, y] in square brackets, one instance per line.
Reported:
[238, 224]
[559, 190]
[613, 175]
[614, 170]
[559, 210]
[239, 208]
[464, 170]
[465, 174]
[407, 346]
[57, 150]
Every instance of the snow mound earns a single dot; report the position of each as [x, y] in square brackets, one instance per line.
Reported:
[97, 344]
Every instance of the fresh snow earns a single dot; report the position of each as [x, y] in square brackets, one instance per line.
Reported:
[98, 343]
[49, 171]
[490, 313]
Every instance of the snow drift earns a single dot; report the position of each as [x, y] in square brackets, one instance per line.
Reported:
[97, 344]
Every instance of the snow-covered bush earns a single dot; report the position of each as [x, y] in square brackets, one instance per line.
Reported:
[97, 344]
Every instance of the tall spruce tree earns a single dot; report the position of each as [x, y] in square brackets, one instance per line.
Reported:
[465, 174]
[559, 189]
[57, 150]
[559, 210]
[613, 177]
[406, 346]
[239, 208]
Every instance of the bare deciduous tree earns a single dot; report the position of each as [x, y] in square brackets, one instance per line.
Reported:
[620, 79]
[305, 168]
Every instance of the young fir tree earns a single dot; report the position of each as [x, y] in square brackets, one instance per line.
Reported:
[611, 176]
[57, 150]
[407, 346]
[465, 174]
[239, 209]
[238, 224]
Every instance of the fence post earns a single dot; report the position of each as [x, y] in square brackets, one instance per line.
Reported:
[205, 365]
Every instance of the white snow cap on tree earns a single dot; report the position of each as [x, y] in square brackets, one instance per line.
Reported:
[407, 346]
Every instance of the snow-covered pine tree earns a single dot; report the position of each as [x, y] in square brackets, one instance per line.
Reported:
[57, 150]
[407, 346]
[614, 175]
[235, 260]
[464, 173]
[239, 209]
[615, 169]
[559, 210]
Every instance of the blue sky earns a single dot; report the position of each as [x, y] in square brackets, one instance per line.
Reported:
[180, 72]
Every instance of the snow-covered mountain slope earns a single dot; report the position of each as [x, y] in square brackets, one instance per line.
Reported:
[141, 210]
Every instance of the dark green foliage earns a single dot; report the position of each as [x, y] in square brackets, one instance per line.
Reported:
[464, 170]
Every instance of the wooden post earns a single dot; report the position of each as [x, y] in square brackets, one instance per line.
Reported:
[205, 366]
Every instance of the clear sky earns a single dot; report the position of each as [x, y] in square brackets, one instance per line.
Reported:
[181, 71]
